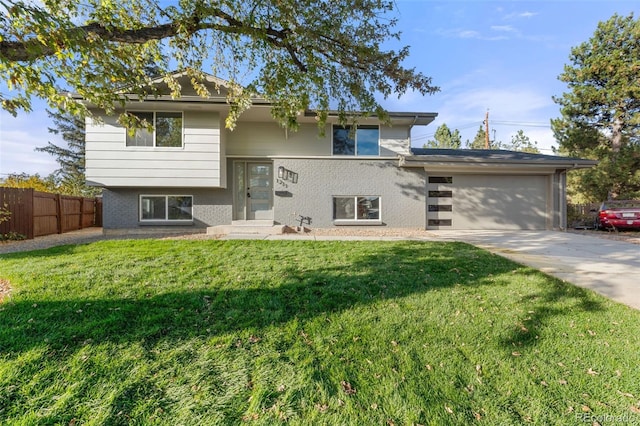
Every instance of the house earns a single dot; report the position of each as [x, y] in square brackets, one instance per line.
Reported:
[191, 173]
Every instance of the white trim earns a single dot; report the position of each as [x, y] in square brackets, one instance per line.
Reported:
[355, 220]
[355, 154]
[166, 204]
[154, 147]
[244, 163]
[313, 157]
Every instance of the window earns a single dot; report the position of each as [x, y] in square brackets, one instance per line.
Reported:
[166, 207]
[356, 208]
[364, 141]
[167, 130]
[439, 222]
[441, 194]
[440, 208]
[440, 179]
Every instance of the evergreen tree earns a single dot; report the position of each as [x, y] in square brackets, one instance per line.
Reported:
[479, 141]
[601, 112]
[521, 142]
[70, 176]
[445, 138]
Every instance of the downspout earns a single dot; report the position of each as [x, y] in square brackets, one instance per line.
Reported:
[562, 198]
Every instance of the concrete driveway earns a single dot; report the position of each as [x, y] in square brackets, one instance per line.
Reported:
[611, 268]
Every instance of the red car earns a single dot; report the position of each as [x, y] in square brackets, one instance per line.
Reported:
[619, 214]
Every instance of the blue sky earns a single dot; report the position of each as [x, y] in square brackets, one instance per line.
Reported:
[501, 56]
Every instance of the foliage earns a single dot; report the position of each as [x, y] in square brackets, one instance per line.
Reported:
[445, 138]
[297, 54]
[305, 332]
[601, 112]
[522, 143]
[581, 215]
[70, 177]
[12, 236]
[24, 180]
[479, 141]
[5, 216]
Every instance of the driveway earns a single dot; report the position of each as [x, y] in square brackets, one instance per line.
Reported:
[609, 267]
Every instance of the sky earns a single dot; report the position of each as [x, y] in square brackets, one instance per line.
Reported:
[503, 57]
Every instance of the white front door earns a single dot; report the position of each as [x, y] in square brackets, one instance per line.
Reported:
[253, 190]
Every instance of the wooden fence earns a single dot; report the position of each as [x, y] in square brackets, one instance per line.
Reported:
[34, 213]
[581, 215]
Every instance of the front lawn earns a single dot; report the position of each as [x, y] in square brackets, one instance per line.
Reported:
[267, 332]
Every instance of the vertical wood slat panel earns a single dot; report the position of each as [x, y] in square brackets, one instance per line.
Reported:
[35, 214]
[19, 202]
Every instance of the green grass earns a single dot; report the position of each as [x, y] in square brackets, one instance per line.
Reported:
[268, 332]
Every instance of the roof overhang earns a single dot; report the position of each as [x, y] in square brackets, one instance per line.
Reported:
[494, 161]
[398, 118]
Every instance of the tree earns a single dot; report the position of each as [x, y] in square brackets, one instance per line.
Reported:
[70, 176]
[24, 180]
[521, 142]
[601, 112]
[479, 141]
[297, 54]
[444, 138]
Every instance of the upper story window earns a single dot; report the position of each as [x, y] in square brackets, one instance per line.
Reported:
[365, 140]
[167, 130]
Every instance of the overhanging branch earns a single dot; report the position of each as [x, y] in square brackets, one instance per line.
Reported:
[33, 49]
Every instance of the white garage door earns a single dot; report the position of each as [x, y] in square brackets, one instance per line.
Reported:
[487, 202]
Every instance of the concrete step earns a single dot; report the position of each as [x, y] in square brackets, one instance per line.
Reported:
[247, 229]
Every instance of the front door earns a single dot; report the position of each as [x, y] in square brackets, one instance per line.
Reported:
[253, 190]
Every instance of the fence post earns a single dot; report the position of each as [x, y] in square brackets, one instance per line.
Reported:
[81, 218]
[59, 213]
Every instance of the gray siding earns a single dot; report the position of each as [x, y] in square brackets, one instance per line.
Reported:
[402, 191]
[121, 208]
[269, 139]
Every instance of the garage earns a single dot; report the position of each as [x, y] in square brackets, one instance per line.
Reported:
[493, 189]
[476, 201]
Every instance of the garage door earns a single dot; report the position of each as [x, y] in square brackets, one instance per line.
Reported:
[487, 202]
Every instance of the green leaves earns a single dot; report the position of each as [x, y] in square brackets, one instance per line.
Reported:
[297, 54]
[601, 112]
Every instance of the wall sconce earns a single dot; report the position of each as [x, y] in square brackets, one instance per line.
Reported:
[281, 172]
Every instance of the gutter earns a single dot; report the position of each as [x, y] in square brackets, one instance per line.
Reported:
[440, 160]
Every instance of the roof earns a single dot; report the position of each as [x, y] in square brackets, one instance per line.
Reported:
[410, 118]
[219, 89]
[489, 157]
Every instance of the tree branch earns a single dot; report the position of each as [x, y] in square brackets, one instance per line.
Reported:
[33, 49]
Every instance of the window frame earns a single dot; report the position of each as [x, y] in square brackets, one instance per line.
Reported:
[166, 218]
[355, 220]
[154, 133]
[355, 140]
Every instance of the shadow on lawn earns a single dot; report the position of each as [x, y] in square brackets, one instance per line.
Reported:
[398, 270]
